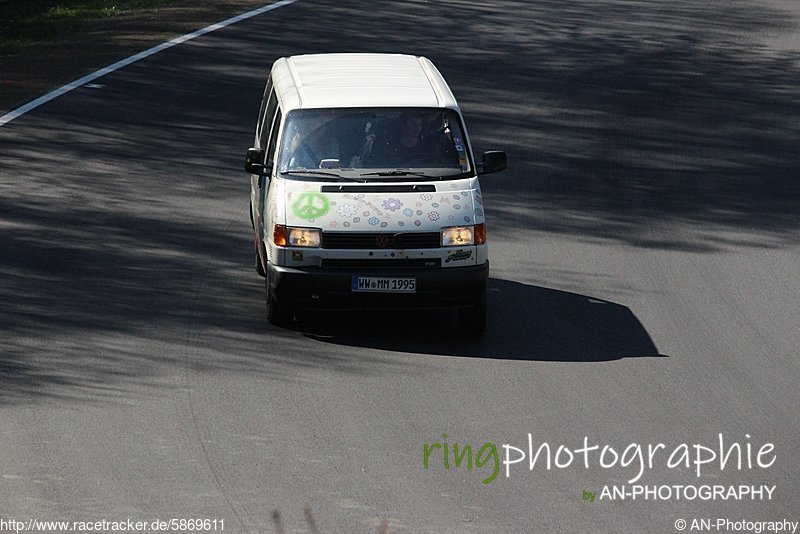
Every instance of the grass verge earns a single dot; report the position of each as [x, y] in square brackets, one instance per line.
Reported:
[30, 23]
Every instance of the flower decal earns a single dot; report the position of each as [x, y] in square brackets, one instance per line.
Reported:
[392, 204]
[408, 212]
[434, 215]
[426, 197]
[373, 221]
[417, 223]
[346, 211]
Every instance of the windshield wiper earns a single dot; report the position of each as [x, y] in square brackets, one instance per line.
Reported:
[311, 171]
[322, 173]
[397, 173]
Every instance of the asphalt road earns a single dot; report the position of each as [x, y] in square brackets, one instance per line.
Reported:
[645, 285]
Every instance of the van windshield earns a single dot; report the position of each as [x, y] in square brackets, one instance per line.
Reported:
[373, 144]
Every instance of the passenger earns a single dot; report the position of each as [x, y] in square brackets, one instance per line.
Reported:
[411, 141]
[419, 146]
[404, 144]
[411, 133]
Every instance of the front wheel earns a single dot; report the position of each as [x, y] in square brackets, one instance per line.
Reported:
[259, 266]
[473, 320]
[277, 314]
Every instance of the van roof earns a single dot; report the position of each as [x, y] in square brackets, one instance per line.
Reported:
[359, 80]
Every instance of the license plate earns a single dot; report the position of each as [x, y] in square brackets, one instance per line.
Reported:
[380, 284]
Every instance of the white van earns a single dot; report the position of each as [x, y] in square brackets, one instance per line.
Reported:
[364, 190]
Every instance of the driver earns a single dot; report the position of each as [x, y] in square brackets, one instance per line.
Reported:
[310, 149]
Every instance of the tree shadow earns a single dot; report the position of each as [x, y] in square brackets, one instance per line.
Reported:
[98, 304]
[632, 124]
[526, 322]
[626, 123]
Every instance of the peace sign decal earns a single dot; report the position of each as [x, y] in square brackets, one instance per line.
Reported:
[310, 206]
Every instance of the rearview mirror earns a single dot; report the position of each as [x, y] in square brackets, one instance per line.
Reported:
[493, 161]
[254, 161]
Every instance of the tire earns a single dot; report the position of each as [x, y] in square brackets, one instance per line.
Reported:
[259, 267]
[277, 314]
[473, 320]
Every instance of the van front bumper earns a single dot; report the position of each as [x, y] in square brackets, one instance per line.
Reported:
[326, 289]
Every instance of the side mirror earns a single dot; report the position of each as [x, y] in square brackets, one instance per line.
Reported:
[493, 161]
[254, 161]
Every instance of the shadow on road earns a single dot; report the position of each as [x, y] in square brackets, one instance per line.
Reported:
[124, 242]
[632, 122]
[525, 323]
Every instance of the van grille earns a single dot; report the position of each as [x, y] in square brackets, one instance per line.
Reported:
[375, 240]
[365, 265]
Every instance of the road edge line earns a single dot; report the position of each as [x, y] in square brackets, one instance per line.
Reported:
[33, 104]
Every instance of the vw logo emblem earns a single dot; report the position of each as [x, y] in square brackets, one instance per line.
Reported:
[382, 241]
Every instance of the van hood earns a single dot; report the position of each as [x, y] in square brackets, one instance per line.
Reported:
[383, 207]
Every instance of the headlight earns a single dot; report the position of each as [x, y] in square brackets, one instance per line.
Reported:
[458, 236]
[303, 237]
[284, 236]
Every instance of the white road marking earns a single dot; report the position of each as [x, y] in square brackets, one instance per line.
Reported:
[11, 115]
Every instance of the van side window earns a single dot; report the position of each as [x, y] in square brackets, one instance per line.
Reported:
[273, 137]
[269, 119]
[261, 112]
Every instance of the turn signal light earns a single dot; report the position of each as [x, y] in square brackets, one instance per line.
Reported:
[480, 234]
[279, 233]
